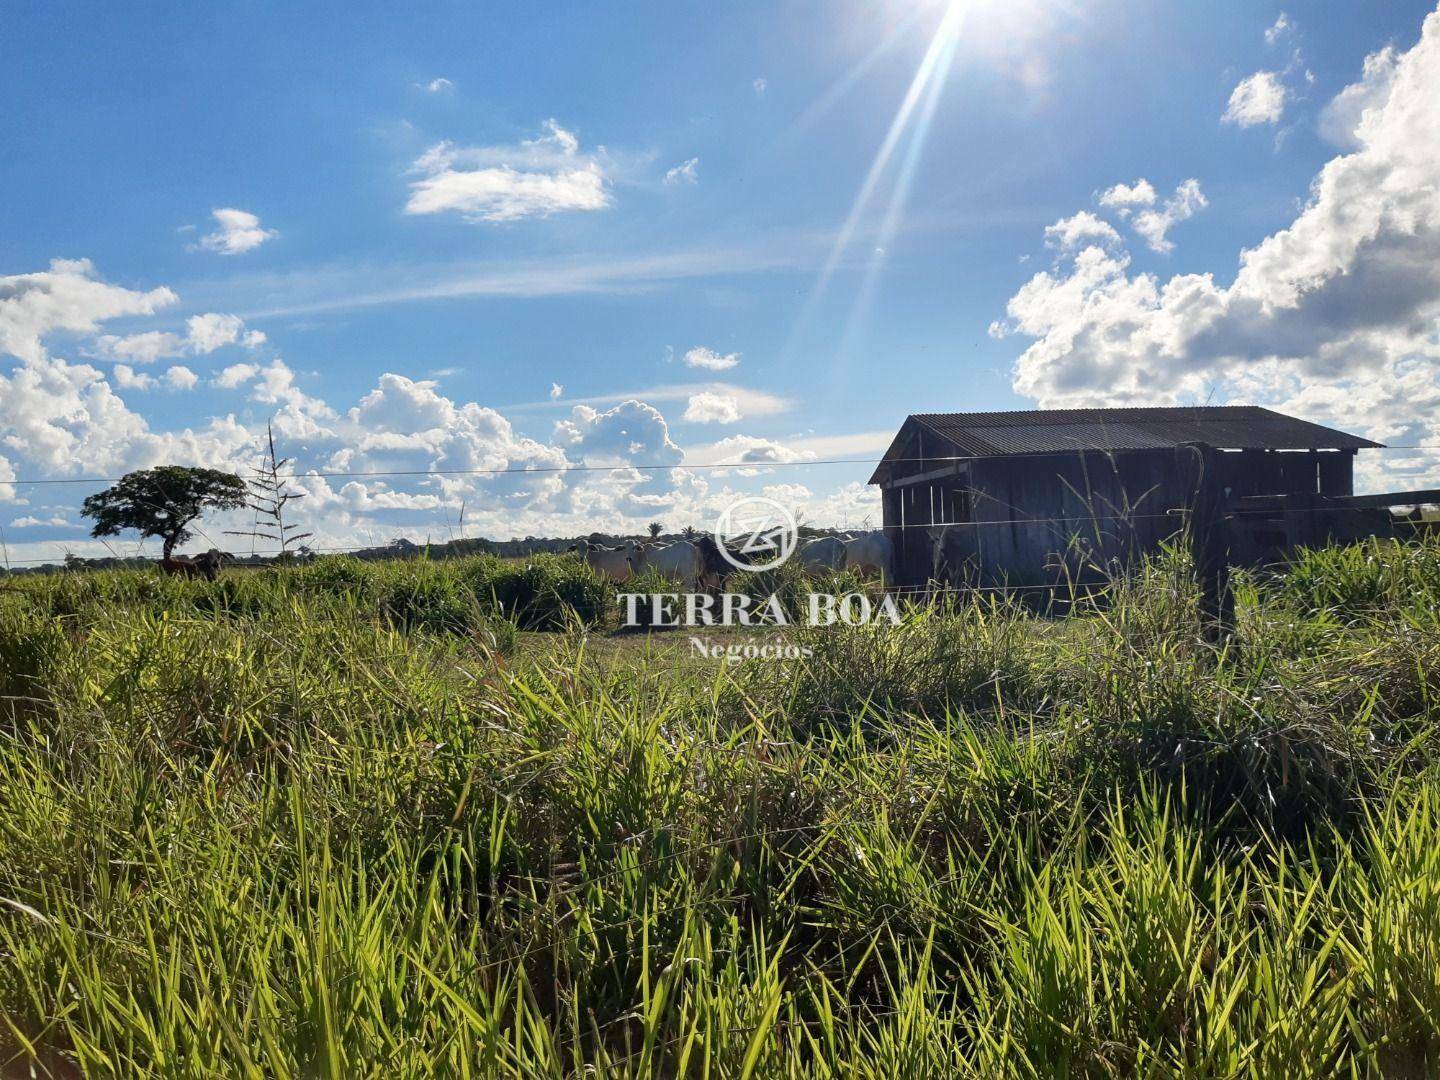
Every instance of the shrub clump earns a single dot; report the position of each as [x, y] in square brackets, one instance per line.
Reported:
[1363, 579]
[972, 657]
[547, 592]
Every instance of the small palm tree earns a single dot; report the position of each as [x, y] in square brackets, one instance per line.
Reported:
[269, 493]
[689, 532]
[654, 527]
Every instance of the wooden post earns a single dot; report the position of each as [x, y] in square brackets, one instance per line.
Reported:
[1209, 537]
[890, 521]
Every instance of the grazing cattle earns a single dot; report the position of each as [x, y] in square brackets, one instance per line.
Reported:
[205, 566]
[682, 560]
[823, 553]
[180, 566]
[211, 561]
[717, 567]
[869, 551]
[610, 563]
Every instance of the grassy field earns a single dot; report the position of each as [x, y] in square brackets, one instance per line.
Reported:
[416, 819]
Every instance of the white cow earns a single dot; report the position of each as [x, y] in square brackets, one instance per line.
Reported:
[610, 563]
[822, 553]
[681, 559]
[869, 551]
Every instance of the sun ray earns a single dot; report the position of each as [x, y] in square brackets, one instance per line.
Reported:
[842, 86]
[899, 197]
[932, 70]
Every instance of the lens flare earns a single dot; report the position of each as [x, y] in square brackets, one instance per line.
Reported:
[922, 95]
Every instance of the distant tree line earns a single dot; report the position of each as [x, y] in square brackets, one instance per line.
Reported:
[166, 502]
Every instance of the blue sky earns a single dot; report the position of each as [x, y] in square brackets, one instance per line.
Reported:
[661, 205]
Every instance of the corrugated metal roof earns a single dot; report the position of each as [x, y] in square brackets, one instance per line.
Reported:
[1049, 431]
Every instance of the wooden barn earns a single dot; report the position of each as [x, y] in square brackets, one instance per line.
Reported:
[1023, 498]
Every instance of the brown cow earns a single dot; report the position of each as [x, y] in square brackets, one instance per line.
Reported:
[205, 566]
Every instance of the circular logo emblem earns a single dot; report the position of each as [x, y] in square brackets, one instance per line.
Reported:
[762, 531]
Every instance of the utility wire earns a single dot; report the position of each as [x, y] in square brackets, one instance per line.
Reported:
[553, 469]
[1080, 524]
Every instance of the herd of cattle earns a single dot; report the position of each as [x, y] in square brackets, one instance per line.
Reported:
[699, 563]
[696, 564]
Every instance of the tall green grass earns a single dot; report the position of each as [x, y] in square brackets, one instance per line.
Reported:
[328, 821]
[544, 592]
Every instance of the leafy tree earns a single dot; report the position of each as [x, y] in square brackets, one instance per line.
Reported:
[269, 492]
[163, 502]
[689, 532]
[654, 528]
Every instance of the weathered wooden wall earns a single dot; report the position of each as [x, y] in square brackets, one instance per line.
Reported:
[1042, 519]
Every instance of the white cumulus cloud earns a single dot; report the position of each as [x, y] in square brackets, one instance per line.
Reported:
[1082, 228]
[203, 335]
[1258, 99]
[127, 378]
[206, 333]
[1154, 225]
[64, 418]
[177, 377]
[632, 432]
[1335, 317]
[710, 360]
[1125, 198]
[710, 408]
[752, 450]
[180, 377]
[1340, 120]
[67, 297]
[235, 375]
[236, 232]
[536, 178]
